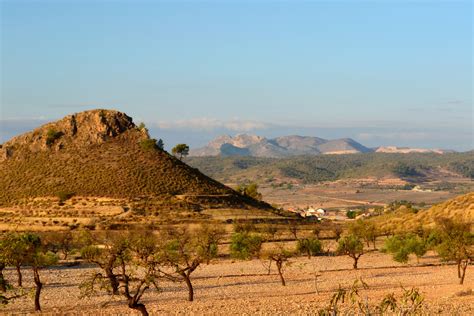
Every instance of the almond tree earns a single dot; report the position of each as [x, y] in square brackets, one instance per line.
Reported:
[14, 250]
[184, 251]
[280, 256]
[135, 268]
[455, 243]
[37, 258]
[3, 263]
[309, 246]
[365, 230]
[352, 246]
[105, 257]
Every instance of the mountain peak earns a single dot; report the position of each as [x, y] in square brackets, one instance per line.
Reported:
[284, 146]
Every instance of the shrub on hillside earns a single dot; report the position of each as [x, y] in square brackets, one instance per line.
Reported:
[148, 144]
[250, 190]
[52, 135]
[63, 196]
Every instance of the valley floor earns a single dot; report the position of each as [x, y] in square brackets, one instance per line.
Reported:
[243, 287]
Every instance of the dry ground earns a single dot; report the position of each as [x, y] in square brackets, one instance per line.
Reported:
[346, 195]
[242, 287]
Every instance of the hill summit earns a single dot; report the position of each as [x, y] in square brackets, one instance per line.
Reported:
[102, 153]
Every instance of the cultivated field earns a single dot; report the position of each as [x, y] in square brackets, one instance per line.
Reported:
[243, 287]
[349, 194]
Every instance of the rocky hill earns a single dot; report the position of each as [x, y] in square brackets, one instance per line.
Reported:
[286, 146]
[102, 153]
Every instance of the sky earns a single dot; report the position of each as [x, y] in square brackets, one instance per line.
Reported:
[380, 72]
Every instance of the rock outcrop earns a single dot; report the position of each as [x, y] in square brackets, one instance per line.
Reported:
[80, 129]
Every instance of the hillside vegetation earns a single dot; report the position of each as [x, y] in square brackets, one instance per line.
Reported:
[102, 154]
[405, 218]
[314, 169]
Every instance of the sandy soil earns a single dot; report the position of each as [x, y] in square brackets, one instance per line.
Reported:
[243, 287]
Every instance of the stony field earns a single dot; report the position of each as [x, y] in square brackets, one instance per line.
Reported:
[243, 287]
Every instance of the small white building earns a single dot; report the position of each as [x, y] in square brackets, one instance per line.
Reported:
[311, 212]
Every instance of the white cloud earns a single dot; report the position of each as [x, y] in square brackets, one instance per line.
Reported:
[209, 124]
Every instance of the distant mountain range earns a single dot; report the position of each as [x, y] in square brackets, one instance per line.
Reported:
[294, 145]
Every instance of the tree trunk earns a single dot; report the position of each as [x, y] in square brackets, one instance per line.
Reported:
[462, 269]
[459, 269]
[138, 306]
[279, 265]
[3, 282]
[39, 286]
[269, 267]
[20, 277]
[190, 287]
[113, 281]
[356, 259]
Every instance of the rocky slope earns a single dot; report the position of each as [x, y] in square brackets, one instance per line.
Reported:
[102, 153]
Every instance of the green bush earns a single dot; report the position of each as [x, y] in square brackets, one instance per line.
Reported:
[52, 135]
[309, 246]
[64, 196]
[250, 190]
[148, 144]
[244, 227]
[401, 246]
[351, 214]
[245, 245]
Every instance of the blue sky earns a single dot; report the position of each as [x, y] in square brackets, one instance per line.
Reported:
[381, 72]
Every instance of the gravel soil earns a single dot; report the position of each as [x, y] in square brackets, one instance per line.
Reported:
[244, 287]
